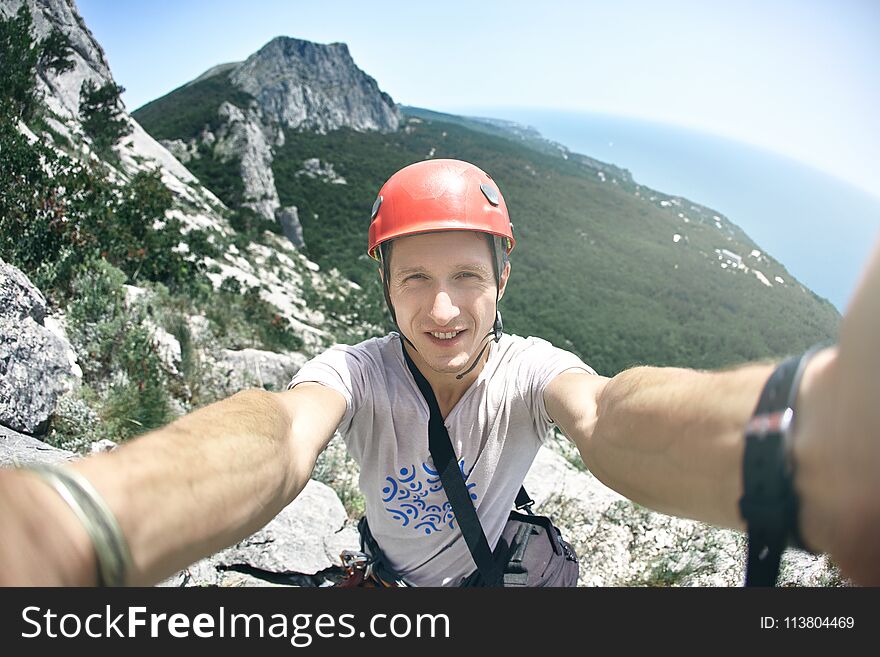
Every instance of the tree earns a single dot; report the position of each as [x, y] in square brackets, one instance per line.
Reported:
[21, 57]
[102, 117]
[56, 53]
[18, 59]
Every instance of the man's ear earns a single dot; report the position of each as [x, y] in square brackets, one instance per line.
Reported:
[505, 275]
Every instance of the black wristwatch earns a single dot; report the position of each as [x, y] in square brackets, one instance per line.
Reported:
[769, 503]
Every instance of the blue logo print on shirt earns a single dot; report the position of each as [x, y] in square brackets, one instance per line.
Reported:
[413, 497]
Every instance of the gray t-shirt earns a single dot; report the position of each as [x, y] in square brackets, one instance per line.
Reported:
[496, 429]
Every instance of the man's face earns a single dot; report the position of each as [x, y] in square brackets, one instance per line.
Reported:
[443, 283]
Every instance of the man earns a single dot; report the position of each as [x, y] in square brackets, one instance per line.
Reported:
[668, 438]
[441, 232]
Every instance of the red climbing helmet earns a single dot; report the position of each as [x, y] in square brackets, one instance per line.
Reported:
[436, 195]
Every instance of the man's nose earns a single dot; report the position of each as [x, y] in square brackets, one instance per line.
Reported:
[443, 309]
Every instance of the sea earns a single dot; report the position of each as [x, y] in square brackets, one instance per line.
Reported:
[820, 227]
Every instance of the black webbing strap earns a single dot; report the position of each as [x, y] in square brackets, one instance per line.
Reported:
[769, 504]
[453, 482]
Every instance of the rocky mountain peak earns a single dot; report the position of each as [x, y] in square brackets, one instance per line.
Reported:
[313, 86]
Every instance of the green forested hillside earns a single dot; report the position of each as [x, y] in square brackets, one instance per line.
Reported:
[186, 111]
[596, 268]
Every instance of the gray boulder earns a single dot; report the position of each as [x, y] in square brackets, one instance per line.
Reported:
[35, 367]
[301, 539]
[17, 448]
[252, 368]
[18, 296]
[299, 547]
[289, 219]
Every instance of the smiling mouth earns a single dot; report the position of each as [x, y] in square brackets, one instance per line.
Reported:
[448, 337]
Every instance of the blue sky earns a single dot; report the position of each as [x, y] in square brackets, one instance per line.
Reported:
[801, 77]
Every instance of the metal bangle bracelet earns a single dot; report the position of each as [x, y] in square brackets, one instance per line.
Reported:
[111, 550]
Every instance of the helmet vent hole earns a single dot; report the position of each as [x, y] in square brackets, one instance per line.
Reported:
[490, 193]
[376, 205]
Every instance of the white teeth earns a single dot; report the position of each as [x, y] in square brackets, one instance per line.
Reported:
[445, 336]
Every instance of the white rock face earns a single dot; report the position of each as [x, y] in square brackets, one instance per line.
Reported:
[56, 326]
[316, 169]
[139, 151]
[243, 136]
[167, 346]
[301, 84]
[762, 278]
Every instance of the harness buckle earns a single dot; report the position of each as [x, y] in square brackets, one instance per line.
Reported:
[353, 560]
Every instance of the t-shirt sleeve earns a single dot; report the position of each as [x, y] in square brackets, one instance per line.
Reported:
[338, 368]
[541, 362]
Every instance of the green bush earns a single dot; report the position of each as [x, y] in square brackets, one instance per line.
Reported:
[56, 214]
[75, 422]
[247, 321]
[221, 176]
[185, 112]
[142, 241]
[138, 401]
[56, 53]
[250, 226]
[191, 367]
[113, 341]
[97, 317]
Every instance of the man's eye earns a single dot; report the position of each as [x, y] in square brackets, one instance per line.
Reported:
[413, 276]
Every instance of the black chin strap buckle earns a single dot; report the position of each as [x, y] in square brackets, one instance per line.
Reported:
[498, 327]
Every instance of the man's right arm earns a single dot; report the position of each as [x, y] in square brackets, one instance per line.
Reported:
[180, 493]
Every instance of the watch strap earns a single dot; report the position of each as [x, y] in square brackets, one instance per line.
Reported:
[769, 503]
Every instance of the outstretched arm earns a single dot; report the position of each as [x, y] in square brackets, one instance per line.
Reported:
[180, 493]
[668, 438]
[672, 439]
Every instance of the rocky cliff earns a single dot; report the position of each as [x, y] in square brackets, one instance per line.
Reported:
[311, 86]
[46, 398]
[289, 84]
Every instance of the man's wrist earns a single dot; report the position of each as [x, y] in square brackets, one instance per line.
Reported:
[45, 543]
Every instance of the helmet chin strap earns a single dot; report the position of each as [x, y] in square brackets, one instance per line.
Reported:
[496, 333]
